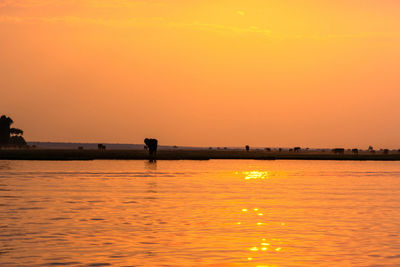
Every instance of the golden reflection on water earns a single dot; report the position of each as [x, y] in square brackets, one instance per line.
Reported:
[271, 245]
[262, 175]
[184, 213]
[256, 175]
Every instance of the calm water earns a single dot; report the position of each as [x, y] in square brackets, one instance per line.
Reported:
[199, 213]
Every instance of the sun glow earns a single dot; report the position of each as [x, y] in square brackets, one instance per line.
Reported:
[220, 62]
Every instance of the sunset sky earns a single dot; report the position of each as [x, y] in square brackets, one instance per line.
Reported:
[313, 73]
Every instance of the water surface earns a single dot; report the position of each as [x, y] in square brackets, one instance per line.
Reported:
[199, 213]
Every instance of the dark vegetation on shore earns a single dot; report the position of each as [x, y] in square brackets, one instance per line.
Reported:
[10, 137]
[14, 147]
[178, 154]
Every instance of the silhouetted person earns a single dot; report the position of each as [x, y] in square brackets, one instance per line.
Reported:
[152, 146]
[247, 148]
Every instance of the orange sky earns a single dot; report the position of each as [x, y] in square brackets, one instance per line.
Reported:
[216, 73]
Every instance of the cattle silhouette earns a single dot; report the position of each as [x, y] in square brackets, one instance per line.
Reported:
[101, 147]
[338, 150]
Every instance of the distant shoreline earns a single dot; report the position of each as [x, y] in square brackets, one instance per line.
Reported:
[177, 154]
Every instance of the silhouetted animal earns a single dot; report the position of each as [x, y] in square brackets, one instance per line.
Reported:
[297, 149]
[267, 149]
[247, 148]
[338, 150]
[354, 150]
[101, 147]
[152, 145]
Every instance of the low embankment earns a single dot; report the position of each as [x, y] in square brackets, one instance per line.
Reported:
[176, 154]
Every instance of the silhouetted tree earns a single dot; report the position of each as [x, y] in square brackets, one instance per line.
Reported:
[386, 151]
[247, 148]
[16, 131]
[152, 145]
[5, 130]
[17, 140]
[370, 149]
[10, 136]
